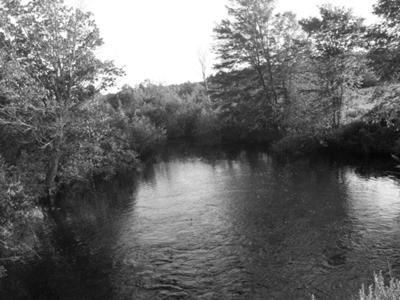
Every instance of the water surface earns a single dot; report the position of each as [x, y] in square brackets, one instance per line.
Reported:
[226, 227]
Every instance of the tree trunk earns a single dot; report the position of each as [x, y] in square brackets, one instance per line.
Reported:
[207, 88]
[53, 166]
[262, 81]
[51, 176]
[337, 110]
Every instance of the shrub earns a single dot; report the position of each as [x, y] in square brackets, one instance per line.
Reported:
[364, 138]
[144, 137]
[182, 123]
[97, 145]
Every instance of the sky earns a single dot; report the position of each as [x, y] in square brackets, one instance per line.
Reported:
[160, 40]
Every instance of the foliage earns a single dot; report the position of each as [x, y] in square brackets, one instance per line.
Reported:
[336, 32]
[19, 216]
[335, 38]
[49, 70]
[384, 41]
[153, 112]
[259, 50]
[274, 80]
[364, 138]
[277, 80]
[97, 145]
[207, 129]
[54, 128]
[143, 136]
[388, 9]
[358, 137]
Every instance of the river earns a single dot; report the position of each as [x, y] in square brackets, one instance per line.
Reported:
[224, 226]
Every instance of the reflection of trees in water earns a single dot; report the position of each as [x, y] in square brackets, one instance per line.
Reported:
[365, 166]
[79, 258]
[374, 205]
[291, 224]
[208, 154]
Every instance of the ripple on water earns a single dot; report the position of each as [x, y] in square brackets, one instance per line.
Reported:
[242, 228]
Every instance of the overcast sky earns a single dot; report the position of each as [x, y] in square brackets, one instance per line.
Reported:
[160, 39]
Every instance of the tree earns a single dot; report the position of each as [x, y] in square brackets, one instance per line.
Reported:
[291, 50]
[254, 40]
[384, 40]
[204, 71]
[243, 41]
[49, 72]
[388, 10]
[336, 37]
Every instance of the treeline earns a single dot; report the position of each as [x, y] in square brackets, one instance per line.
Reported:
[276, 72]
[286, 81]
[289, 80]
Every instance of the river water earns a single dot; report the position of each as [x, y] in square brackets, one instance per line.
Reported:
[225, 226]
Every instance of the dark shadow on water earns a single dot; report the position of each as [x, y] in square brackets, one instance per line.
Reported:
[77, 261]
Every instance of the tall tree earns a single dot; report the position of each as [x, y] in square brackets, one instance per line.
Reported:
[389, 10]
[49, 71]
[243, 40]
[384, 40]
[291, 48]
[254, 39]
[336, 37]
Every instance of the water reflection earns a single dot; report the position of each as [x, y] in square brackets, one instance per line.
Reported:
[250, 228]
[77, 259]
[373, 199]
[234, 225]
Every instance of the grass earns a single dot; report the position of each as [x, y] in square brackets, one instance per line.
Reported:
[378, 290]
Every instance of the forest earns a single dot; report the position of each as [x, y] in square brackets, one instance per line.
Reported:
[297, 87]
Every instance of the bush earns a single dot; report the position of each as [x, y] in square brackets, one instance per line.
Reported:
[359, 138]
[96, 145]
[365, 138]
[143, 137]
[182, 123]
